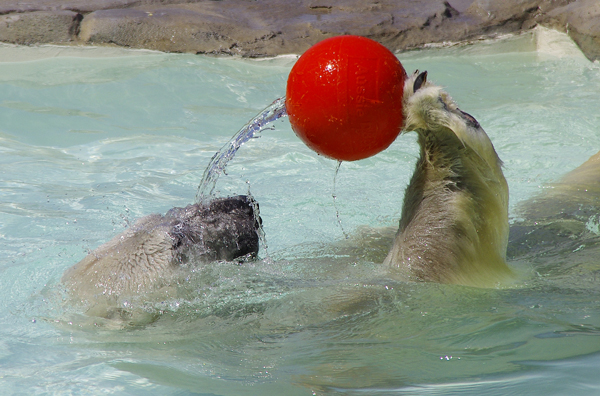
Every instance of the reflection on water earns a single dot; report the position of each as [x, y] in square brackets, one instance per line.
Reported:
[318, 314]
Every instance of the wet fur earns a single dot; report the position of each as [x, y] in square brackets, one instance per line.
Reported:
[147, 255]
[562, 218]
[454, 223]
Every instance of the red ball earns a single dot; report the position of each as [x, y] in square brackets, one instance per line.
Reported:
[344, 97]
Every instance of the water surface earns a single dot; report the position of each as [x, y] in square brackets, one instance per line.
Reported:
[91, 139]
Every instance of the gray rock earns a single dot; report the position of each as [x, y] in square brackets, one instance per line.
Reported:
[581, 20]
[200, 28]
[81, 6]
[39, 27]
[273, 27]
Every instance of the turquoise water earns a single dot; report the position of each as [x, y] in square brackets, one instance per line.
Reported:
[91, 139]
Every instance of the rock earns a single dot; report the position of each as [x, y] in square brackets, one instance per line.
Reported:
[39, 27]
[80, 6]
[273, 27]
[201, 28]
[581, 20]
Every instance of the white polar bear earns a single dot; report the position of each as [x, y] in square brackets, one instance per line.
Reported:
[454, 223]
[453, 228]
[144, 257]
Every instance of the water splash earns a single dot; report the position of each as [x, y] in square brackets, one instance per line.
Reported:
[219, 161]
[262, 235]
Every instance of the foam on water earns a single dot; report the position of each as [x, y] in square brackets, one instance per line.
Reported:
[91, 139]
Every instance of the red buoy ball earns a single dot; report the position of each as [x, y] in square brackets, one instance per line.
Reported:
[344, 97]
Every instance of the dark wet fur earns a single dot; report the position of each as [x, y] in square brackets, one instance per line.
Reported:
[225, 230]
[148, 254]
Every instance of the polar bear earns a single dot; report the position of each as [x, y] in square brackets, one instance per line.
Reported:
[454, 221]
[454, 224]
[563, 218]
[453, 228]
[144, 257]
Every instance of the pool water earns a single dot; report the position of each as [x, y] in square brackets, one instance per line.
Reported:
[93, 138]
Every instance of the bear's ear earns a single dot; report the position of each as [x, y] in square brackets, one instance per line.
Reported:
[419, 81]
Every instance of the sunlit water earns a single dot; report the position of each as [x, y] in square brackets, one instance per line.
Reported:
[91, 139]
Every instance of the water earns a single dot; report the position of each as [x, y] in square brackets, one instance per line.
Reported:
[91, 139]
[219, 161]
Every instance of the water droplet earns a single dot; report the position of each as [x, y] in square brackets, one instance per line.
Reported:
[334, 196]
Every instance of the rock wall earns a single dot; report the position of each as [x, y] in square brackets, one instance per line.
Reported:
[272, 27]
